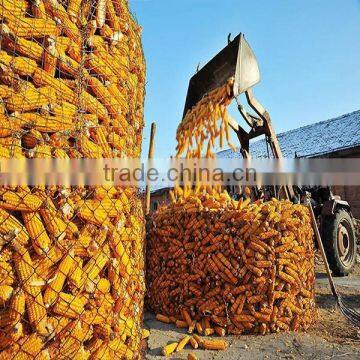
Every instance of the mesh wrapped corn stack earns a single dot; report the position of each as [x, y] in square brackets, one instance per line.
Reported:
[72, 77]
[237, 268]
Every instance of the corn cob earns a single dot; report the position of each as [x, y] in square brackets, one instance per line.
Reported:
[10, 8]
[38, 9]
[54, 288]
[17, 306]
[67, 26]
[34, 301]
[99, 135]
[43, 123]
[73, 9]
[10, 225]
[5, 293]
[16, 201]
[53, 222]
[10, 335]
[31, 28]
[50, 58]
[68, 305]
[31, 346]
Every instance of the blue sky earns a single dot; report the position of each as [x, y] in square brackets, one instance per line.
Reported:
[308, 52]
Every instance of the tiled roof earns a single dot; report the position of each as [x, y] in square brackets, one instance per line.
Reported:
[312, 140]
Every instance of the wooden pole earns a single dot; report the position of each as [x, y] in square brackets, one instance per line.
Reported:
[150, 156]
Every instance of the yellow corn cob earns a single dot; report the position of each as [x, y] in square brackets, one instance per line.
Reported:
[101, 192]
[54, 288]
[76, 273]
[73, 9]
[169, 349]
[17, 306]
[102, 353]
[38, 9]
[56, 325]
[98, 66]
[5, 293]
[37, 232]
[68, 305]
[99, 135]
[13, 8]
[96, 216]
[119, 96]
[34, 301]
[119, 348]
[116, 141]
[4, 152]
[5, 92]
[53, 222]
[69, 66]
[5, 58]
[28, 48]
[88, 148]
[9, 225]
[44, 264]
[23, 66]
[27, 27]
[63, 92]
[10, 335]
[42, 151]
[105, 96]
[31, 346]
[103, 286]
[7, 127]
[118, 248]
[93, 106]
[7, 276]
[44, 123]
[50, 59]
[94, 266]
[82, 354]
[61, 154]
[63, 110]
[67, 26]
[16, 201]
[30, 99]
[115, 66]
[112, 17]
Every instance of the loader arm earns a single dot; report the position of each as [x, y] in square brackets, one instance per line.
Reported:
[237, 61]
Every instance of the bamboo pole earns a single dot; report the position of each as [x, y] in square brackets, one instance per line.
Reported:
[150, 156]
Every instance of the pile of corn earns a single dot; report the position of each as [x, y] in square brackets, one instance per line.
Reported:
[205, 122]
[237, 268]
[72, 79]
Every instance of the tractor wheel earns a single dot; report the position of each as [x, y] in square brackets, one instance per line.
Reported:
[340, 242]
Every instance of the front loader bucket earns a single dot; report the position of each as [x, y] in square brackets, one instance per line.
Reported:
[235, 60]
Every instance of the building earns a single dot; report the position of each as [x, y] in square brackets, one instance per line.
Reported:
[159, 197]
[334, 138]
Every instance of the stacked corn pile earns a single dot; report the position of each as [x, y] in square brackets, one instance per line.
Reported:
[71, 259]
[217, 265]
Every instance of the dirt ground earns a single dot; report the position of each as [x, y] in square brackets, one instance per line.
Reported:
[332, 337]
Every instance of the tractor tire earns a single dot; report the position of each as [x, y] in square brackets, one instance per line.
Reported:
[340, 242]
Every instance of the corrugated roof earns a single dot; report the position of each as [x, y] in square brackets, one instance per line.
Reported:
[312, 140]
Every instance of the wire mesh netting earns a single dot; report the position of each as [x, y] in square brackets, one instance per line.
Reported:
[72, 77]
